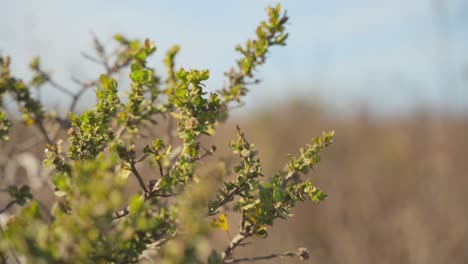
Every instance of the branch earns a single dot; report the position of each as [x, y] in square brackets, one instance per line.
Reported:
[228, 198]
[91, 58]
[55, 84]
[234, 243]
[154, 189]
[10, 204]
[118, 64]
[41, 127]
[237, 240]
[138, 176]
[302, 253]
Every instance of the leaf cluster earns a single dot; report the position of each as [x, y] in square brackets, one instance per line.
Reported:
[176, 207]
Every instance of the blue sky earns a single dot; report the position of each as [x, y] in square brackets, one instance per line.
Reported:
[383, 54]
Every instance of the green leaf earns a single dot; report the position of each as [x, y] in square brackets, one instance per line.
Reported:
[215, 258]
[261, 232]
[136, 204]
[279, 195]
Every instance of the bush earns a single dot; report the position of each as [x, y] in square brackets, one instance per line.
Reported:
[177, 207]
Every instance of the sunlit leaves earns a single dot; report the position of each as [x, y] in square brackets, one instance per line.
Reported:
[269, 33]
[31, 108]
[93, 221]
[310, 154]
[262, 202]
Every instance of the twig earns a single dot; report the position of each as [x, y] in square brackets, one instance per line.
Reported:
[234, 243]
[208, 152]
[228, 198]
[41, 127]
[56, 85]
[86, 85]
[138, 176]
[154, 189]
[10, 204]
[77, 96]
[170, 128]
[302, 253]
[53, 83]
[101, 52]
[91, 58]
[161, 172]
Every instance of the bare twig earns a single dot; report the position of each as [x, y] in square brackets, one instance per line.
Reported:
[208, 152]
[91, 58]
[118, 64]
[41, 127]
[170, 128]
[160, 166]
[99, 47]
[53, 83]
[236, 241]
[138, 176]
[57, 85]
[10, 204]
[302, 253]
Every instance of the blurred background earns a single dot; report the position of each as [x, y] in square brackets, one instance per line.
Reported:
[391, 77]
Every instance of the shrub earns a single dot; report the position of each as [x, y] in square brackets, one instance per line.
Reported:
[177, 206]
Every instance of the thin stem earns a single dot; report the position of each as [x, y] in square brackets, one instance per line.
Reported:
[58, 86]
[170, 128]
[153, 193]
[41, 127]
[86, 85]
[91, 58]
[138, 176]
[161, 172]
[10, 204]
[228, 198]
[154, 189]
[285, 254]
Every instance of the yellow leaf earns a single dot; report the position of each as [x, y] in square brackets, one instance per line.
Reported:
[29, 121]
[261, 232]
[122, 116]
[221, 222]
